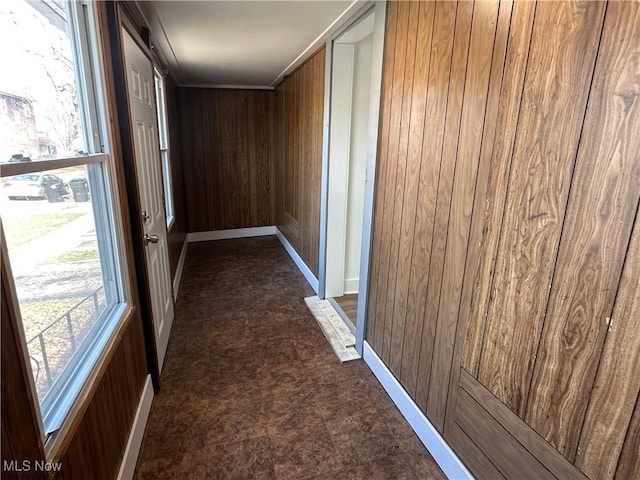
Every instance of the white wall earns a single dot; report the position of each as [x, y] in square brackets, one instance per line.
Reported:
[339, 153]
[357, 166]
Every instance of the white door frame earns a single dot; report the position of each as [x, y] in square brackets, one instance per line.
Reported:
[380, 9]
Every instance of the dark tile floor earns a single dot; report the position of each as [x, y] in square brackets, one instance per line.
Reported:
[252, 390]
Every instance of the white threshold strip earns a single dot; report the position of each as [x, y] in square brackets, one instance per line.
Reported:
[130, 459]
[450, 464]
[340, 338]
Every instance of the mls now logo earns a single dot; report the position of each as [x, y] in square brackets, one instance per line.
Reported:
[28, 465]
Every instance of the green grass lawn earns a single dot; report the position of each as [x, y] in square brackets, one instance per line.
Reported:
[19, 230]
[77, 255]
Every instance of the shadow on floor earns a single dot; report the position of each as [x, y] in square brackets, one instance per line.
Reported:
[252, 390]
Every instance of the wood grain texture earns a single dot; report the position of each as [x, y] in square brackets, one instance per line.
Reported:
[375, 316]
[412, 66]
[387, 206]
[405, 239]
[597, 227]
[475, 308]
[228, 158]
[479, 68]
[527, 437]
[20, 432]
[436, 107]
[472, 456]
[448, 157]
[617, 383]
[300, 113]
[99, 442]
[561, 63]
[496, 442]
[629, 464]
[523, 132]
[476, 230]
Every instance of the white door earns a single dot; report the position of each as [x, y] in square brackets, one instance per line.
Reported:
[140, 88]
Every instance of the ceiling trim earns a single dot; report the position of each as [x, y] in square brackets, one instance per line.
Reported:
[162, 44]
[228, 87]
[344, 17]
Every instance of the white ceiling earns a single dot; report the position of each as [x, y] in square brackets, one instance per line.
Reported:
[240, 43]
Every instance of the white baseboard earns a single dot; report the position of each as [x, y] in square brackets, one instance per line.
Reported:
[450, 464]
[178, 277]
[351, 285]
[128, 465]
[232, 233]
[297, 259]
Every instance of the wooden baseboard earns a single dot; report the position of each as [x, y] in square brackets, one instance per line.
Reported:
[447, 460]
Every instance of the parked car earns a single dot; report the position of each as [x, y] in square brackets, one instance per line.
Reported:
[18, 158]
[36, 185]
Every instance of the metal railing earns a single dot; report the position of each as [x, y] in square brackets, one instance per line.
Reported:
[67, 316]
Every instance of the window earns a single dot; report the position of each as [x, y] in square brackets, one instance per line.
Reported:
[161, 104]
[59, 215]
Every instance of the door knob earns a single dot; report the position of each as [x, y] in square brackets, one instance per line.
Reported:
[150, 239]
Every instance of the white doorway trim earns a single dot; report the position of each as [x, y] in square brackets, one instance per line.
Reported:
[374, 110]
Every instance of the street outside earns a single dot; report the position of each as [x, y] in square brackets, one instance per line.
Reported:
[54, 260]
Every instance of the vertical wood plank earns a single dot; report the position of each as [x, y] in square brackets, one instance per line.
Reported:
[474, 253]
[374, 320]
[617, 383]
[485, 20]
[227, 141]
[561, 63]
[629, 464]
[399, 188]
[445, 190]
[602, 207]
[475, 310]
[425, 208]
[389, 187]
[410, 198]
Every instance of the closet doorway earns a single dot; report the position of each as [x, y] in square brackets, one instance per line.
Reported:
[352, 101]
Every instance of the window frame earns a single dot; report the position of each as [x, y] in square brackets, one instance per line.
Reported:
[86, 42]
[164, 143]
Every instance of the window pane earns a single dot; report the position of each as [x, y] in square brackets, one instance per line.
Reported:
[162, 117]
[60, 252]
[166, 178]
[39, 115]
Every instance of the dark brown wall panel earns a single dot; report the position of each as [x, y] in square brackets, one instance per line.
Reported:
[507, 187]
[20, 434]
[228, 158]
[299, 127]
[99, 442]
[178, 230]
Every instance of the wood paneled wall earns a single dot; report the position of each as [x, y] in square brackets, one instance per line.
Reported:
[97, 448]
[300, 110]
[228, 146]
[505, 273]
[178, 231]
[20, 434]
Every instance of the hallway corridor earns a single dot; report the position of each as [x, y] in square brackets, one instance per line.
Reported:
[252, 390]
